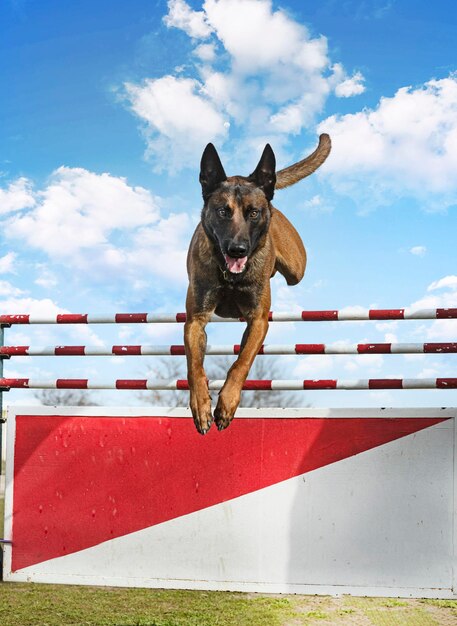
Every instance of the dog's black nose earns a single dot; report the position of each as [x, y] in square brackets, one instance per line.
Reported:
[237, 250]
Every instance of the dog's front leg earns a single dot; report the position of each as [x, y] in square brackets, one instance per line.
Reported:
[195, 345]
[230, 394]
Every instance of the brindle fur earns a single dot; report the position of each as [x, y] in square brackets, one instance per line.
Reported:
[237, 215]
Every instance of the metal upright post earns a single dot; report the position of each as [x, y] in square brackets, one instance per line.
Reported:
[2, 333]
[1, 432]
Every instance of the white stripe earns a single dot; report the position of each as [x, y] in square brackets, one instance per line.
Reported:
[101, 319]
[420, 314]
[287, 385]
[352, 384]
[41, 351]
[419, 383]
[101, 384]
[218, 349]
[39, 383]
[158, 318]
[339, 348]
[96, 351]
[353, 313]
[286, 317]
[215, 385]
[407, 348]
[40, 319]
[155, 350]
[279, 349]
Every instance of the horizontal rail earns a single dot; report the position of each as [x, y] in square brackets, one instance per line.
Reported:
[178, 350]
[250, 385]
[346, 314]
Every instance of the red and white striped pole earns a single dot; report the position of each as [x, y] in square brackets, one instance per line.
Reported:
[277, 349]
[347, 314]
[250, 385]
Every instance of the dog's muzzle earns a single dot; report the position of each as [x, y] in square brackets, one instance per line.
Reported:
[236, 257]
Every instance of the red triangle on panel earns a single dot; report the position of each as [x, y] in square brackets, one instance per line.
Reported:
[80, 481]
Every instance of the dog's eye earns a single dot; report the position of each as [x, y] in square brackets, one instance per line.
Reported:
[222, 212]
[254, 213]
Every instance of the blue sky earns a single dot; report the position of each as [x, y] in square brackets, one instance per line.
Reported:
[107, 106]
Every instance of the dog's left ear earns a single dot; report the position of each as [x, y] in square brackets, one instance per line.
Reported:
[264, 175]
[211, 170]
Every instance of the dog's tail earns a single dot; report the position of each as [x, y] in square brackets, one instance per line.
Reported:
[292, 174]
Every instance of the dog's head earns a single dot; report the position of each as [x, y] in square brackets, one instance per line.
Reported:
[237, 211]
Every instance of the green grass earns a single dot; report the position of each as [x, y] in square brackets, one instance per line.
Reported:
[55, 605]
[23, 604]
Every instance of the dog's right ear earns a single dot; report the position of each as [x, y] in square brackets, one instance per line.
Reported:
[211, 171]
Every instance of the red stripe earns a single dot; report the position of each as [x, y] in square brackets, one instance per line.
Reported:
[310, 348]
[177, 350]
[131, 384]
[237, 348]
[14, 319]
[16, 383]
[71, 383]
[14, 350]
[319, 384]
[319, 316]
[131, 318]
[69, 350]
[446, 313]
[446, 383]
[440, 347]
[387, 314]
[182, 385]
[376, 348]
[71, 318]
[180, 317]
[270, 316]
[260, 385]
[385, 383]
[119, 350]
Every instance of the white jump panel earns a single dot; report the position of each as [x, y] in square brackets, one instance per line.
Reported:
[300, 500]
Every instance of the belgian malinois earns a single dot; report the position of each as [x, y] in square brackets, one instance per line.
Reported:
[240, 243]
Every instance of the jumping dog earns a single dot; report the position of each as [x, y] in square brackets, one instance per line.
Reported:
[239, 244]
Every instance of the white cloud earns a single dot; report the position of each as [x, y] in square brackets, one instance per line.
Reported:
[407, 144]
[205, 52]
[418, 250]
[9, 290]
[317, 206]
[79, 209]
[180, 15]
[46, 278]
[278, 39]
[350, 86]
[180, 119]
[448, 282]
[271, 73]
[101, 225]
[18, 195]
[7, 262]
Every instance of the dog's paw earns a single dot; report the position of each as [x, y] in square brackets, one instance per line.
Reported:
[201, 412]
[224, 412]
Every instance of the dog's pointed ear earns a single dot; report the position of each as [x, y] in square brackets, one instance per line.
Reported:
[264, 175]
[211, 171]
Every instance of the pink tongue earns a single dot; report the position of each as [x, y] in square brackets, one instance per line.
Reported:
[235, 265]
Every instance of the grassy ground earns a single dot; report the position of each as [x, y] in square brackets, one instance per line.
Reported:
[52, 605]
